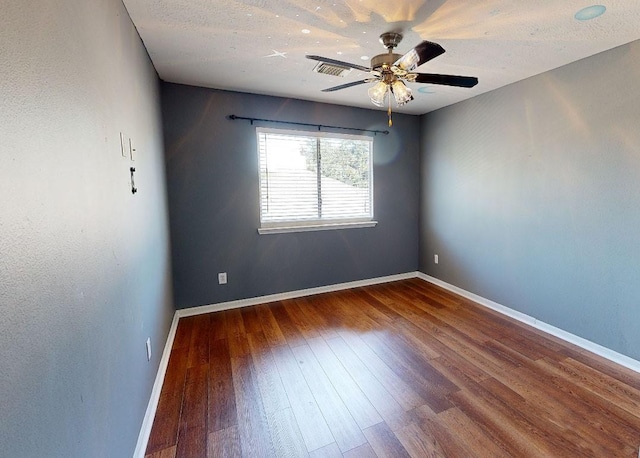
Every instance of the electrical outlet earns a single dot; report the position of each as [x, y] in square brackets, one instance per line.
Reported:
[148, 348]
[222, 278]
[435, 258]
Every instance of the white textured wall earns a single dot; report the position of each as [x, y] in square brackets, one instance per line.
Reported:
[84, 264]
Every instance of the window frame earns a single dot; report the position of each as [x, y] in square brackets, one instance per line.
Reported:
[304, 225]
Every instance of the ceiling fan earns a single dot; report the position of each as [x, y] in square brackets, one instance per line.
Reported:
[391, 70]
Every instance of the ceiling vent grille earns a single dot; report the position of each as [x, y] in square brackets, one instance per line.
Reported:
[330, 69]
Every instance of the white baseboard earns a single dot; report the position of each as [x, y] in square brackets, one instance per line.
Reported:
[593, 347]
[147, 422]
[291, 295]
[145, 431]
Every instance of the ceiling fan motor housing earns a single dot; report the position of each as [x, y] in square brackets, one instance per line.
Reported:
[387, 58]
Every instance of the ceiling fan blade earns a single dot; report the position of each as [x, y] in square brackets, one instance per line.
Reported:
[422, 53]
[344, 86]
[447, 80]
[339, 63]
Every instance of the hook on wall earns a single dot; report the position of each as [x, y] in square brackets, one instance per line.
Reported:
[133, 183]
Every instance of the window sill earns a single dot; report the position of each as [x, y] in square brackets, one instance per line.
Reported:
[315, 227]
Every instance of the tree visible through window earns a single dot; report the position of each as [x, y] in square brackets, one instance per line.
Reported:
[314, 178]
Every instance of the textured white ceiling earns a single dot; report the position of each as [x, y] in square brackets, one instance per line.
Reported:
[258, 45]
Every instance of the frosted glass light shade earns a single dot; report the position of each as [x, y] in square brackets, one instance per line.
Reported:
[377, 93]
[401, 92]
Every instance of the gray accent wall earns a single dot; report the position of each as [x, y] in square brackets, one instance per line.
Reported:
[530, 195]
[84, 265]
[212, 176]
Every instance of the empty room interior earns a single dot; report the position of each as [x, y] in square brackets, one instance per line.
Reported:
[309, 228]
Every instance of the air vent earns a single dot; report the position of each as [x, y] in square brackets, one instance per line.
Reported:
[330, 69]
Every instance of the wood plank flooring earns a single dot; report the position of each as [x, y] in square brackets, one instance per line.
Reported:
[393, 370]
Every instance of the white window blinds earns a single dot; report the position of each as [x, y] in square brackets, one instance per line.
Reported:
[314, 178]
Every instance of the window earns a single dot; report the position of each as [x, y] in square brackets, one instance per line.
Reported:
[314, 180]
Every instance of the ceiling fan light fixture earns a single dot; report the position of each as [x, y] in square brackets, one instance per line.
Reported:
[401, 92]
[377, 93]
[390, 72]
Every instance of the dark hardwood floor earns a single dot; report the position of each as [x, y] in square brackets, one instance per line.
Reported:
[393, 370]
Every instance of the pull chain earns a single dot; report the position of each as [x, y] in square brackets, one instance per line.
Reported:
[389, 110]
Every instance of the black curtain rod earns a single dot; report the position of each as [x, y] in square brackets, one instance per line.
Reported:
[319, 126]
